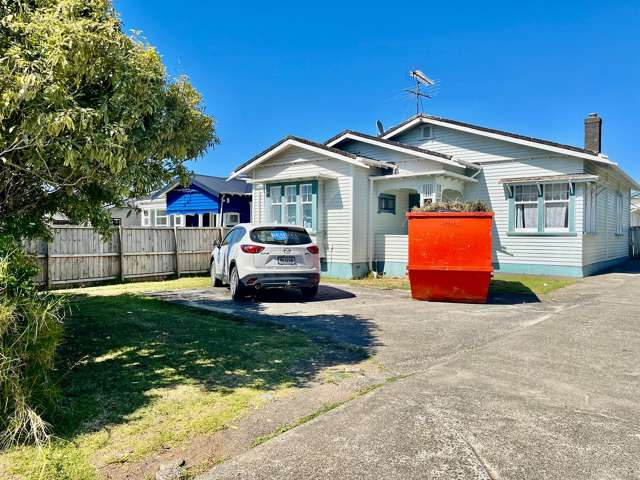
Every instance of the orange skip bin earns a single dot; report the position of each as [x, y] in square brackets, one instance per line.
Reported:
[450, 256]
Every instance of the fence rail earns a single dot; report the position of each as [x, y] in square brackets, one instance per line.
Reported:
[634, 242]
[78, 255]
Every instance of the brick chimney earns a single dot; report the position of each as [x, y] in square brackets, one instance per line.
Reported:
[593, 133]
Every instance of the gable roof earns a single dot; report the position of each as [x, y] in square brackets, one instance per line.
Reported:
[390, 144]
[493, 133]
[509, 137]
[293, 141]
[212, 185]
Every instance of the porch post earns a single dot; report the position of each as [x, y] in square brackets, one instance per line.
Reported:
[372, 208]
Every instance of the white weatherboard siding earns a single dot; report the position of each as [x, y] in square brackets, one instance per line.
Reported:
[391, 248]
[257, 203]
[605, 245]
[360, 214]
[335, 188]
[466, 146]
[532, 250]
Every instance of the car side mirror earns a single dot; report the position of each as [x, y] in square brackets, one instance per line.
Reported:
[216, 243]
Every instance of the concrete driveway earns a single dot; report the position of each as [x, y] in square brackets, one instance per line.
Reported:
[547, 389]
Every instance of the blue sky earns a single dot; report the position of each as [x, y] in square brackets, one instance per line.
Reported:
[268, 69]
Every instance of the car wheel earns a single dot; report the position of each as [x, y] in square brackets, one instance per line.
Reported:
[237, 291]
[309, 292]
[215, 281]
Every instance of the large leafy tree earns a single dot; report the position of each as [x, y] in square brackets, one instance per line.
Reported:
[88, 115]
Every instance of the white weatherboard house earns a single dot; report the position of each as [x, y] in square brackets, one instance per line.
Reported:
[559, 210]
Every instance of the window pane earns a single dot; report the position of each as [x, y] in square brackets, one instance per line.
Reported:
[556, 215]
[291, 214]
[307, 219]
[290, 193]
[527, 215]
[161, 217]
[306, 193]
[276, 214]
[556, 191]
[274, 192]
[526, 193]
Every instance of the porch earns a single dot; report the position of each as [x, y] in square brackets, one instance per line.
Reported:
[392, 196]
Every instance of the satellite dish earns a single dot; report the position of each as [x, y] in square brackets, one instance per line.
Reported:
[420, 77]
[380, 127]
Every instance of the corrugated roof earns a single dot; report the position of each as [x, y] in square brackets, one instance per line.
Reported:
[389, 142]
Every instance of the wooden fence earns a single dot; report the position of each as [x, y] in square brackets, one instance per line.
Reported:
[634, 242]
[80, 255]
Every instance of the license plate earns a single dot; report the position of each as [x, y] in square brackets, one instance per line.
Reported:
[286, 260]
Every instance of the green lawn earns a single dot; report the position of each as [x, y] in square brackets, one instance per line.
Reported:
[500, 284]
[139, 375]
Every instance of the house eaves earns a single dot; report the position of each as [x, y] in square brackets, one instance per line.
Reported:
[396, 146]
[293, 141]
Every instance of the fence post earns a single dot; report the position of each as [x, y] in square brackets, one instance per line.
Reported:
[49, 265]
[121, 239]
[175, 237]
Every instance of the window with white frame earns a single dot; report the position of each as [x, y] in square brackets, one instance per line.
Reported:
[162, 219]
[590, 207]
[146, 218]
[526, 207]
[178, 221]
[276, 204]
[619, 214]
[231, 219]
[291, 204]
[556, 206]
[426, 132]
[306, 196]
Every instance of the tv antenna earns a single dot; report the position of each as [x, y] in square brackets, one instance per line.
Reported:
[423, 85]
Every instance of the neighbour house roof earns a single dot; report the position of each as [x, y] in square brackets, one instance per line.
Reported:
[212, 185]
[293, 141]
[569, 177]
[409, 149]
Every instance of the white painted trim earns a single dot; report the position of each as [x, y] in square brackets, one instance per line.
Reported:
[293, 177]
[359, 162]
[443, 173]
[398, 148]
[497, 136]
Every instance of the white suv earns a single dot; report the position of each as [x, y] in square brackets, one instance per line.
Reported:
[252, 257]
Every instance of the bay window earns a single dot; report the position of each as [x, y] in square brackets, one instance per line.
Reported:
[542, 209]
[292, 204]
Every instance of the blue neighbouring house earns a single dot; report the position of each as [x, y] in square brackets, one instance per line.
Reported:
[206, 201]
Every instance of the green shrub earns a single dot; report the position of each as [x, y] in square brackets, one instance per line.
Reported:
[30, 330]
[453, 206]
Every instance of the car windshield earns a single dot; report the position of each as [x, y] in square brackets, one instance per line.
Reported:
[280, 236]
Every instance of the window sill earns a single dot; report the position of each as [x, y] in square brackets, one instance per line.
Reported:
[542, 234]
